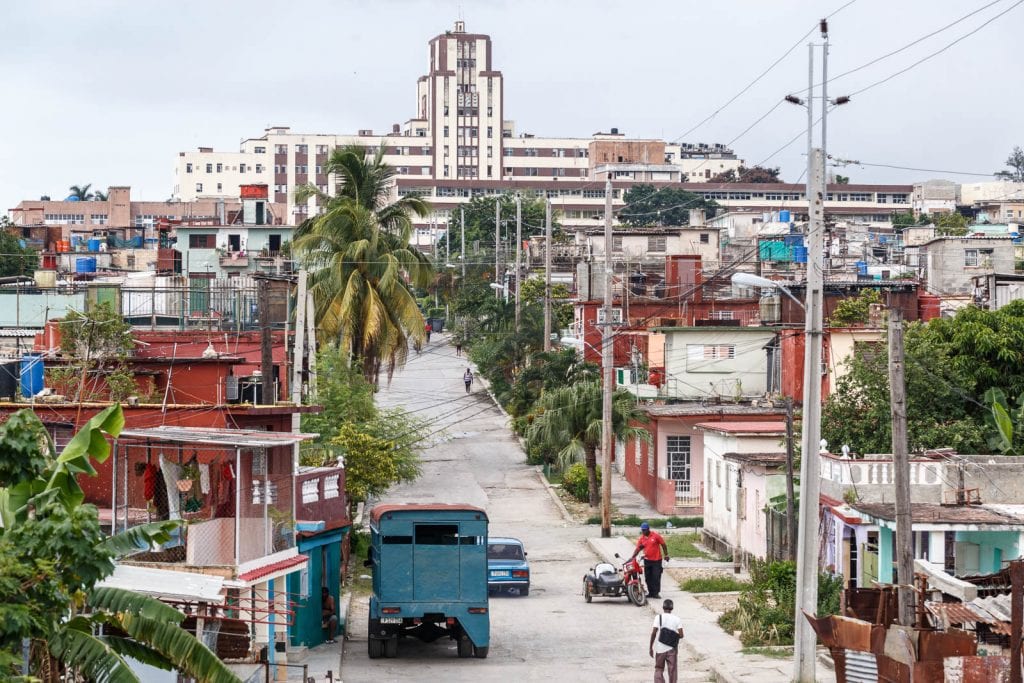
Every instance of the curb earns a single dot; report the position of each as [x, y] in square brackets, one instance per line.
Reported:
[554, 497]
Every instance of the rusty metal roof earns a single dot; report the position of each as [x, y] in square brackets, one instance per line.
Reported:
[932, 513]
[981, 610]
[235, 438]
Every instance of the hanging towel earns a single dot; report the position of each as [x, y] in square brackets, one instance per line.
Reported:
[149, 481]
[172, 473]
[204, 479]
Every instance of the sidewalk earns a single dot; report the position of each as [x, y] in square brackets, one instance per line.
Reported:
[704, 640]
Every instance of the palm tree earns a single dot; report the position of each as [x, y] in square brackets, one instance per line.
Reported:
[55, 555]
[362, 268]
[81, 193]
[569, 423]
[99, 196]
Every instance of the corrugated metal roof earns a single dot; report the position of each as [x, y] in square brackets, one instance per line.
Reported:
[698, 410]
[931, 513]
[240, 438]
[994, 611]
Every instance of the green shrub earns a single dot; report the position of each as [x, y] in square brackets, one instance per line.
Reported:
[656, 522]
[575, 482]
[713, 584]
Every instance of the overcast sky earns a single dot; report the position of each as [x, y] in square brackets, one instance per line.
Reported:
[108, 92]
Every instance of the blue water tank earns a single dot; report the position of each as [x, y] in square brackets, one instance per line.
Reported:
[94, 245]
[800, 254]
[136, 242]
[31, 374]
[783, 216]
[76, 241]
[794, 240]
[86, 264]
[862, 267]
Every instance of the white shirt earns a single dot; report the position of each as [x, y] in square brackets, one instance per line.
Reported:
[669, 621]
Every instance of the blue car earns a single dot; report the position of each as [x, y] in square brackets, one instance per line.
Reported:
[507, 568]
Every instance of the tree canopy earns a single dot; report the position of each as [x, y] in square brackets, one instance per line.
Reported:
[479, 213]
[1015, 162]
[646, 205]
[754, 174]
[950, 365]
[15, 259]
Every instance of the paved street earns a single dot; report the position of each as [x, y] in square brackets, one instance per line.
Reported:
[551, 634]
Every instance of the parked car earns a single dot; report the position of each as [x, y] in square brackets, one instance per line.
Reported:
[507, 568]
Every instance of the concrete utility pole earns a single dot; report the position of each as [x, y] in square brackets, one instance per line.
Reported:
[607, 360]
[547, 275]
[805, 640]
[791, 528]
[1016, 617]
[519, 245]
[497, 246]
[462, 240]
[901, 470]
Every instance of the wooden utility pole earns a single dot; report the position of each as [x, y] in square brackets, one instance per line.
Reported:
[519, 248]
[266, 346]
[791, 526]
[901, 467]
[547, 275]
[1016, 616]
[607, 360]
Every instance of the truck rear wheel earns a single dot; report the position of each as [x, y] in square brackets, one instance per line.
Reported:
[375, 647]
[465, 646]
[391, 647]
[481, 652]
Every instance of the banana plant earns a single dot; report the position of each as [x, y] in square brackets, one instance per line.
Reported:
[1004, 422]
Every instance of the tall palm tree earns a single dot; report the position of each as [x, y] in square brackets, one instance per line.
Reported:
[99, 196]
[81, 193]
[362, 267]
[569, 423]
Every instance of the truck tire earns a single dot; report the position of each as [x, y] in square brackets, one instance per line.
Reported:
[481, 652]
[391, 647]
[375, 647]
[465, 646]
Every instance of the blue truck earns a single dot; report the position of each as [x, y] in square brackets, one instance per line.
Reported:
[429, 577]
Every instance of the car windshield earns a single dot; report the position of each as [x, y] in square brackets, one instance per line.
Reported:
[504, 551]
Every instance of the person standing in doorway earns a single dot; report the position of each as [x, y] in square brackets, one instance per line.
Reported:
[665, 635]
[467, 377]
[328, 614]
[655, 551]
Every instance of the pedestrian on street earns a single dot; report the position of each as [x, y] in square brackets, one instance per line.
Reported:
[458, 347]
[665, 634]
[467, 377]
[655, 550]
[428, 329]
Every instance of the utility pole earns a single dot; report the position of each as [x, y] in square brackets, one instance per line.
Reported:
[607, 360]
[1016, 617]
[462, 241]
[791, 529]
[805, 640]
[547, 275]
[497, 245]
[266, 346]
[901, 469]
[519, 243]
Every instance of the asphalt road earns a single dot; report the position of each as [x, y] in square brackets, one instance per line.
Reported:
[550, 634]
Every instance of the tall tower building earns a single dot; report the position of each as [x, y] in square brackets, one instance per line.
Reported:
[462, 101]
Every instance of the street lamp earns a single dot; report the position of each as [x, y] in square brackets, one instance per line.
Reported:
[501, 288]
[751, 280]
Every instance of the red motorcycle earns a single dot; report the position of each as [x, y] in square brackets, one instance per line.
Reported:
[606, 581]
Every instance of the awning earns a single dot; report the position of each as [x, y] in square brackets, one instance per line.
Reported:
[165, 584]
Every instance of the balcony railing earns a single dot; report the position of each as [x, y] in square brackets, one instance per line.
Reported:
[878, 472]
[320, 495]
[689, 494]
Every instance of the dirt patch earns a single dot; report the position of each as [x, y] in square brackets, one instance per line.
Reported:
[681, 574]
[717, 602]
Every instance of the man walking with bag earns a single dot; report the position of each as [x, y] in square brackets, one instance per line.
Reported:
[665, 635]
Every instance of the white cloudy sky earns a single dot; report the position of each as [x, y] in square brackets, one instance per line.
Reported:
[108, 91]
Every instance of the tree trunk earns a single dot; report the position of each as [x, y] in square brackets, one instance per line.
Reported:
[591, 462]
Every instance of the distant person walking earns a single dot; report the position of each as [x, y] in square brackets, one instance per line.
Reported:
[458, 347]
[427, 329]
[665, 634]
[655, 551]
[467, 377]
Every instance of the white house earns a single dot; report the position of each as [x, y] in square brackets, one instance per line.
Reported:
[745, 468]
[716, 362]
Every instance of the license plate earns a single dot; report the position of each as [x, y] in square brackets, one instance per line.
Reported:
[391, 620]
[501, 573]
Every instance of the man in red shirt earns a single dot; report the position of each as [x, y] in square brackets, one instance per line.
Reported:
[655, 551]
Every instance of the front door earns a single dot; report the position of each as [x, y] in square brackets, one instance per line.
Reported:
[678, 450]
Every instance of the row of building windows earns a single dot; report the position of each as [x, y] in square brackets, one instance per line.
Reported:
[221, 168]
[557, 152]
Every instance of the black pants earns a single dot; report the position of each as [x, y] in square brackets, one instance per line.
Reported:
[652, 575]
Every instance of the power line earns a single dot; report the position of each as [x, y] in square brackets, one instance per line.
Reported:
[855, 162]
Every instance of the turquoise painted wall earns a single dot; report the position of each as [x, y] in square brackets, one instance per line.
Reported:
[995, 547]
[322, 550]
[886, 540]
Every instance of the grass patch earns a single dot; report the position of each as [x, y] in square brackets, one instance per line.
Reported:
[554, 478]
[657, 523]
[713, 584]
[782, 652]
[684, 545]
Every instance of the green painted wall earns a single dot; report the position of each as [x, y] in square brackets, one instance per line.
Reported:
[994, 547]
[323, 550]
[886, 540]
